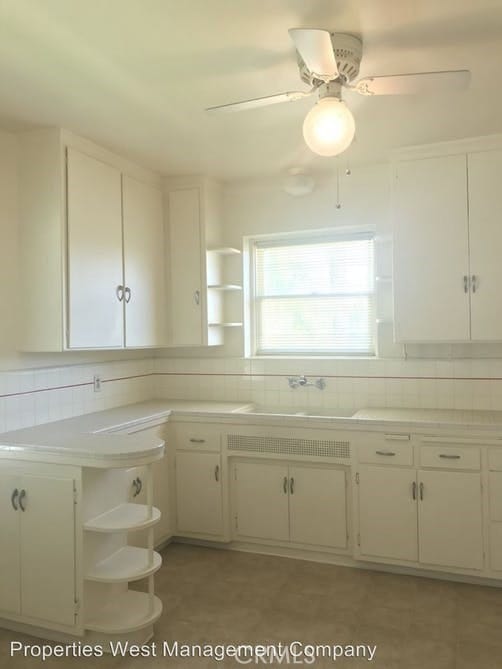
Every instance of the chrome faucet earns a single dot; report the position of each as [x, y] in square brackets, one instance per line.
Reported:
[303, 382]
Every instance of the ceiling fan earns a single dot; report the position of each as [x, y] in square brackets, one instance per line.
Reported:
[329, 62]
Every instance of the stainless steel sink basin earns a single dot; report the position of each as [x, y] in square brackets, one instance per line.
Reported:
[293, 411]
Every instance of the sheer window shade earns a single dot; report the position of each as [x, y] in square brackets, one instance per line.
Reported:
[315, 297]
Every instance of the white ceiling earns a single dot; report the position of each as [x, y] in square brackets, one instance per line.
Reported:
[136, 75]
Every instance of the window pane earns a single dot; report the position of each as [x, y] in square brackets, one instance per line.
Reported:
[318, 324]
[315, 297]
[323, 268]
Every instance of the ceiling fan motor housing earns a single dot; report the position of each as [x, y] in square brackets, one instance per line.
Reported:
[348, 50]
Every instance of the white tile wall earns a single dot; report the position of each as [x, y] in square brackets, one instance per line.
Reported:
[450, 384]
[31, 397]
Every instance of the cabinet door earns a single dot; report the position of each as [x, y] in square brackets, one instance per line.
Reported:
[199, 499]
[48, 549]
[261, 501]
[485, 242]
[94, 263]
[431, 250]
[144, 264]
[450, 519]
[317, 506]
[387, 513]
[187, 296]
[10, 580]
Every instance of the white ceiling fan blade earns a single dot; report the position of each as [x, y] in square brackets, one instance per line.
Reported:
[316, 50]
[289, 96]
[413, 84]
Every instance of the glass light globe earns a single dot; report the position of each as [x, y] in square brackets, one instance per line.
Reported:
[329, 127]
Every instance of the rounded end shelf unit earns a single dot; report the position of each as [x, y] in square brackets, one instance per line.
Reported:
[112, 561]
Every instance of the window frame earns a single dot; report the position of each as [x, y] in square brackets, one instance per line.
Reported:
[251, 244]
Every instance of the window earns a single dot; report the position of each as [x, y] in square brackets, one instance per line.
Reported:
[313, 296]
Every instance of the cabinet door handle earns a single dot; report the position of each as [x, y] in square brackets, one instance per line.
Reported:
[285, 485]
[414, 491]
[421, 488]
[119, 292]
[197, 441]
[13, 499]
[196, 297]
[389, 453]
[127, 292]
[217, 473]
[474, 283]
[447, 456]
[22, 495]
[466, 283]
[137, 484]
[292, 486]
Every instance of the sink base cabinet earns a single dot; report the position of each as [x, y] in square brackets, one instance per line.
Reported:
[298, 504]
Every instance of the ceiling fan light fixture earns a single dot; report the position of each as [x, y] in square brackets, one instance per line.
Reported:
[329, 127]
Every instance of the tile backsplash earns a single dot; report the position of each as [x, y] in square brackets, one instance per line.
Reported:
[450, 384]
[31, 397]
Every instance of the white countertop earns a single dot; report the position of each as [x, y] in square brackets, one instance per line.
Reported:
[91, 439]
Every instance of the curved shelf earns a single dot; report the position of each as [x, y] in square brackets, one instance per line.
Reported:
[225, 251]
[127, 564]
[123, 518]
[225, 286]
[127, 612]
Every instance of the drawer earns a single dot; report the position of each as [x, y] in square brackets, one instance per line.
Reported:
[450, 456]
[195, 436]
[389, 449]
[495, 459]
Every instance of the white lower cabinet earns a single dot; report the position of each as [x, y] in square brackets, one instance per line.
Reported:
[430, 517]
[387, 513]
[300, 504]
[37, 525]
[199, 497]
[450, 519]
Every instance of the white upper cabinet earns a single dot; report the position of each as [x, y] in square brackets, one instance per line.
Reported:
[431, 252]
[186, 243]
[447, 240]
[94, 243]
[92, 251]
[144, 264]
[485, 241]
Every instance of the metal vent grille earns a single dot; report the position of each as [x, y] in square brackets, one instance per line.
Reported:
[286, 446]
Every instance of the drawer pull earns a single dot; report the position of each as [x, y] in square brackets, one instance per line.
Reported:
[389, 453]
[447, 456]
[197, 441]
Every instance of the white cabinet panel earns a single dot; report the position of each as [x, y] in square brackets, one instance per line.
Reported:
[95, 318]
[317, 506]
[261, 501]
[431, 254]
[199, 498]
[485, 242]
[387, 513]
[48, 549]
[144, 249]
[10, 580]
[187, 295]
[450, 519]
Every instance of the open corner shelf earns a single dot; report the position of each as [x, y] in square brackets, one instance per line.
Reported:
[225, 251]
[123, 518]
[127, 564]
[127, 612]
